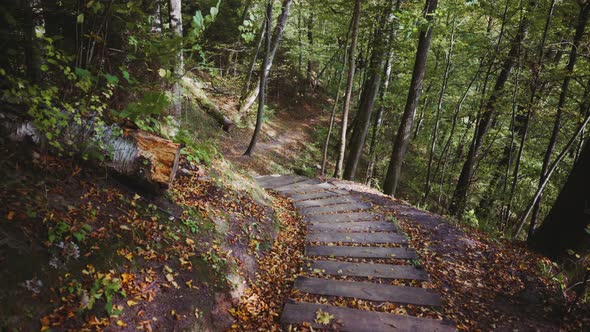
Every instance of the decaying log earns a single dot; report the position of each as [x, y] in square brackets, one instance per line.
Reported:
[145, 159]
[208, 106]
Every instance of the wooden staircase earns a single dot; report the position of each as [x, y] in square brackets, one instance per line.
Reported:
[336, 216]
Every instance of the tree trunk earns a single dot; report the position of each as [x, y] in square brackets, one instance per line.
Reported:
[425, 104]
[349, 83]
[550, 171]
[33, 53]
[581, 26]
[443, 88]
[157, 20]
[369, 93]
[564, 226]
[379, 117]
[276, 38]
[176, 26]
[310, 80]
[253, 62]
[460, 194]
[402, 139]
[263, 72]
[335, 106]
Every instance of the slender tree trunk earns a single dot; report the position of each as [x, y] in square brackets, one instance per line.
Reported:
[33, 58]
[441, 165]
[253, 62]
[176, 26]
[299, 38]
[349, 82]
[262, 96]
[276, 38]
[310, 80]
[334, 107]
[581, 26]
[402, 139]
[378, 120]
[157, 20]
[439, 107]
[425, 104]
[460, 194]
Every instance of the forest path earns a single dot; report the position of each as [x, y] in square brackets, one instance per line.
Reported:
[353, 252]
[284, 139]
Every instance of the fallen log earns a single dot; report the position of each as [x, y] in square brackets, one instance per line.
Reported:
[208, 106]
[147, 160]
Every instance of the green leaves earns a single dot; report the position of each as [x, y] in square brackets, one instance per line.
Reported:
[213, 12]
[82, 73]
[112, 79]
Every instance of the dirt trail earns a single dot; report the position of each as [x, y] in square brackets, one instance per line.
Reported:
[283, 140]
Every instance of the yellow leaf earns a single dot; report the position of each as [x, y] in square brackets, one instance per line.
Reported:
[322, 317]
[121, 323]
[131, 303]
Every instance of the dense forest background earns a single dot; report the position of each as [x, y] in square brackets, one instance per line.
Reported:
[475, 109]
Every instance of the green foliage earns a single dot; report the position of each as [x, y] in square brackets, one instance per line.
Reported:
[103, 286]
[470, 219]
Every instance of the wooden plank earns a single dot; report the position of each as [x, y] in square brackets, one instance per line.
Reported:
[348, 216]
[268, 179]
[368, 291]
[285, 180]
[352, 226]
[314, 195]
[306, 186]
[356, 320]
[336, 208]
[319, 194]
[327, 201]
[360, 252]
[388, 271]
[357, 237]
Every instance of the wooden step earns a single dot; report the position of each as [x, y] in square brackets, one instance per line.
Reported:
[387, 271]
[304, 187]
[348, 216]
[320, 194]
[357, 237]
[283, 181]
[327, 201]
[367, 291]
[360, 252]
[360, 320]
[352, 226]
[336, 208]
